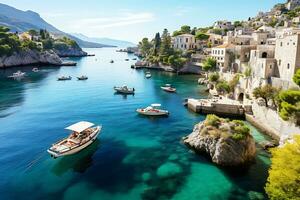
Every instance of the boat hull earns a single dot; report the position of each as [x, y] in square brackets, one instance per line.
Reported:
[147, 113]
[167, 89]
[75, 150]
[124, 92]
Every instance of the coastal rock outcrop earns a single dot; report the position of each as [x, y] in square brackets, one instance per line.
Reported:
[228, 143]
[30, 57]
[70, 52]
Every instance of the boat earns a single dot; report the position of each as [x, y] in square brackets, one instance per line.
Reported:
[18, 74]
[35, 69]
[153, 110]
[148, 75]
[134, 58]
[124, 90]
[168, 88]
[111, 61]
[126, 59]
[64, 78]
[82, 78]
[83, 134]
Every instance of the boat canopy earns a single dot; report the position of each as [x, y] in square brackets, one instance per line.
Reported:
[80, 126]
[156, 105]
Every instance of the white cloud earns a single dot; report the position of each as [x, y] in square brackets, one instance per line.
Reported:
[181, 11]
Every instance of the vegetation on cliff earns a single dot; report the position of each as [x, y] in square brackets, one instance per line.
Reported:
[284, 179]
[160, 50]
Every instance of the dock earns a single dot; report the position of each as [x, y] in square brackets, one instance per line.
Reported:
[222, 107]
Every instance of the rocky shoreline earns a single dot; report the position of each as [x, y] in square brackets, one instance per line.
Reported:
[220, 140]
[33, 57]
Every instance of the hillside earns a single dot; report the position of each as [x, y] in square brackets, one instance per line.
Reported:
[107, 41]
[21, 21]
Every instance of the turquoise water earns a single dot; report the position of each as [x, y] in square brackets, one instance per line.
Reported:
[135, 157]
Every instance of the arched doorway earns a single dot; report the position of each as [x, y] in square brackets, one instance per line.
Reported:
[241, 97]
[264, 55]
[235, 67]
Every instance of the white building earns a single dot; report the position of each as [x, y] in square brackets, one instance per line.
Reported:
[184, 42]
[223, 25]
[223, 55]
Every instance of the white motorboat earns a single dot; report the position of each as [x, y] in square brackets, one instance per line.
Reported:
[18, 74]
[35, 69]
[124, 90]
[83, 134]
[64, 78]
[168, 88]
[153, 110]
[82, 78]
[148, 75]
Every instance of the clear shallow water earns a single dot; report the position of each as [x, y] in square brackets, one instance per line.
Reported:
[135, 157]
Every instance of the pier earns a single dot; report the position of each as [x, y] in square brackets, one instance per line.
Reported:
[219, 106]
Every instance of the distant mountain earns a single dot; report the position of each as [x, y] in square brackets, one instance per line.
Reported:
[21, 21]
[118, 43]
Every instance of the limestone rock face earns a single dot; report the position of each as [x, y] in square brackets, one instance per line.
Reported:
[224, 151]
[70, 52]
[30, 57]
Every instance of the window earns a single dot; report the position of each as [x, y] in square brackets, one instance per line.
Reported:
[279, 62]
[281, 44]
[270, 66]
[288, 65]
[287, 43]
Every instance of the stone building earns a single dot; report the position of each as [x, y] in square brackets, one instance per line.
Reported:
[184, 42]
[287, 53]
[223, 25]
[292, 4]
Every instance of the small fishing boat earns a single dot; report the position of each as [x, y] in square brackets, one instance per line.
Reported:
[168, 88]
[148, 75]
[83, 134]
[64, 78]
[134, 58]
[126, 59]
[18, 74]
[35, 69]
[111, 61]
[153, 110]
[82, 78]
[124, 90]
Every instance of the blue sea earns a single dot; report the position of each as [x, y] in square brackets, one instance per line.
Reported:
[134, 157]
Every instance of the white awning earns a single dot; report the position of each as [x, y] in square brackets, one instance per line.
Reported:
[80, 126]
[156, 105]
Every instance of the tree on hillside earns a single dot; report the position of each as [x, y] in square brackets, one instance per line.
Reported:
[166, 45]
[185, 29]
[284, 180]
[209, 64]
[237, 24]
[296, 77]
[194, 30]
[266, 92]
[223, 87]
[33, 32]
[214, 77]
[156, 44]
[201, 36]
[289, 105]
[145, 47]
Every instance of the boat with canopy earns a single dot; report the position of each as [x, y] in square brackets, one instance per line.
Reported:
[153, 110]
[83, 134]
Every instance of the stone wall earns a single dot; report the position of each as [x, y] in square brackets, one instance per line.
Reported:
[268, 121]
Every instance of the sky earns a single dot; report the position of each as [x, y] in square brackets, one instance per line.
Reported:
[132, 20]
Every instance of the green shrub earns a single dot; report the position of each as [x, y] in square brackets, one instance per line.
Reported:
[284, 180]
[212, 120]
[214, 77]
[223, 87]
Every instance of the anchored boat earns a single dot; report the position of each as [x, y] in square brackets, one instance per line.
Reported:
[168, 88]
[83, 134]
[111, 61]
[124, 90]
[148, 75]
[82, 78]
[17, 74]
[153, 110]
[64, 78]
[35, 69]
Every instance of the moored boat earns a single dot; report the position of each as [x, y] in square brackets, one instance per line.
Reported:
[82, 78]
[126, 59]
[64, 78]
[35, 69]
[168, 88]
[83, 134]
[148, 75]
[111, 61]
[153, 110]
[124, 90]
[18, 74]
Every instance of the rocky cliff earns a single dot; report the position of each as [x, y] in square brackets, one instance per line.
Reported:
[222, 143]
[30, 57]
[70, 52]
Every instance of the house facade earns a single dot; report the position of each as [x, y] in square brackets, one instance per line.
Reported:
[184, 42]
